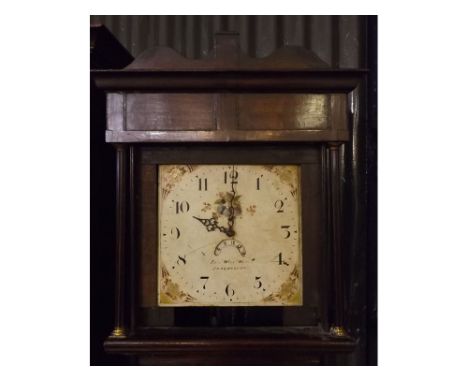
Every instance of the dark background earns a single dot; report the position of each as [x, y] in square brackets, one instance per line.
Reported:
[340, 41]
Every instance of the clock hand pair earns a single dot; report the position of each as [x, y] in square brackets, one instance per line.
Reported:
[212, 223]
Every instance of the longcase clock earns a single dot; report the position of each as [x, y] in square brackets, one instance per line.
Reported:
[229, 205]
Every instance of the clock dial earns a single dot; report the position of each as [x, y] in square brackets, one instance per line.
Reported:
[229, 235]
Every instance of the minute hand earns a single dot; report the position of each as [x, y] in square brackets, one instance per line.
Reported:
[232, 216]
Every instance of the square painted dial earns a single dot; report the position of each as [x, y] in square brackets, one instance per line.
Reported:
[229, 235]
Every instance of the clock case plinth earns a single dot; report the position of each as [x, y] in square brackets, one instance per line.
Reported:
[227, 108]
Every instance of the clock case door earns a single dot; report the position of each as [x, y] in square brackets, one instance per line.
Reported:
[147, 159]
[163, 109]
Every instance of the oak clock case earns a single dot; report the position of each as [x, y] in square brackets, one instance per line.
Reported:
[229, 204]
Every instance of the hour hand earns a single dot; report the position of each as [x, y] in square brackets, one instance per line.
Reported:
[212, 224]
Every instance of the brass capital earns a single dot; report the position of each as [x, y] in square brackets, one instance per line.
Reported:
[338, 331]
[118, 333]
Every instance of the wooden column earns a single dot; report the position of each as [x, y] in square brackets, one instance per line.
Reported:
[132, 252]
[337, 327]
[121, 206]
